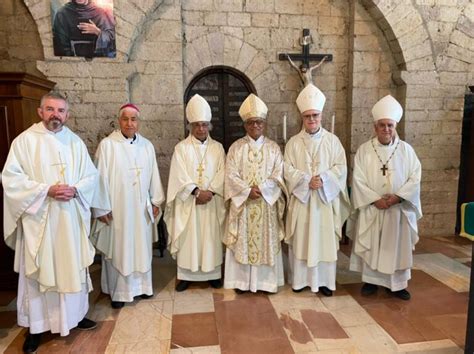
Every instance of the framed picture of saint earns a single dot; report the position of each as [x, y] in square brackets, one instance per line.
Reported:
[83, 28]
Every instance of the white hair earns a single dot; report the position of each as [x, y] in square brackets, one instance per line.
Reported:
[124, 108]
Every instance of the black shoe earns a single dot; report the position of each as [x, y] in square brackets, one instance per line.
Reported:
[368, 289]
[215, 283]
[240, 292]
[32, 342]
[182, 285]
[325, 291]
[297, 290]
[145, 296]
[86, 324]
[117, 304]
[401, 294]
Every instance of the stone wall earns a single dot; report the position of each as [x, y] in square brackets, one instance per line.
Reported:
[420, 50]
[249, 35]
[20, 45]
[433, 46]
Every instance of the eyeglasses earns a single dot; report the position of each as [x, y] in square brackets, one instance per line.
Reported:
[255, 122]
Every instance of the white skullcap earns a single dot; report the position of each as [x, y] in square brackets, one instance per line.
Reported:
[198, 110]
[310, 98]
[253, 107]
[387, 108]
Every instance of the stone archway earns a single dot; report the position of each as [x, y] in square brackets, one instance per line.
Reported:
[225, 89]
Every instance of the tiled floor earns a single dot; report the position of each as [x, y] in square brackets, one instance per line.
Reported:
[204, 320]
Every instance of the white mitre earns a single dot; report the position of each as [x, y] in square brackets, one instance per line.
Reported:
[253, 107]
[198, 110]
[310, 98]
[387, 108]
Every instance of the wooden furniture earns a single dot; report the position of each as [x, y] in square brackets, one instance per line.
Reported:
[20, 96]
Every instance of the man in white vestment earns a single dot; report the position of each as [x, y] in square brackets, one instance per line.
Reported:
[386, 198]
[195, 212]
[256, 191]
[49, 181]
[128, 207]
[315, 174]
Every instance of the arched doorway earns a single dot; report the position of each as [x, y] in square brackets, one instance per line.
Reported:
[225, 89]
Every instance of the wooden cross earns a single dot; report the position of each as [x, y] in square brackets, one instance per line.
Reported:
[305, 57]
[384, 169]
[62, 169]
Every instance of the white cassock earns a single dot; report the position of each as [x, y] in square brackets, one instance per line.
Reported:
[315, 217]
[254, 228]
[196, 231]
[383, 240]
[130, 185]
[50, 238]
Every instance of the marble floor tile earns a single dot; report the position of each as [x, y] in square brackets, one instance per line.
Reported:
[332, 351]
[452, 326]
[194, 330]
[7, 335]
[213, 349]
[224, 294]
[94, 341]
[344, 275]
[346, 345]
[147, 346]
[347, 311]
[164, 293]
[163, 277]
[78, 342]
[322, 324]
[464, 260]
[249, 324]
[287, 299]
[143, 321]
[445, 269]
[297, 331]
[193, 301]
[440, 245]
[101, 309]
[444, 346]
[411, 321]
[432, 322]
[400, 327]
[371, 339]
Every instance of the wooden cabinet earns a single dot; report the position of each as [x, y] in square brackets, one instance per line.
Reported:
[20, 96]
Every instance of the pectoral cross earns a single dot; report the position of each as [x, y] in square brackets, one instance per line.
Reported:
[388, 180]
[138, 172]
[200, 170]
[62, 169]
[314, 167]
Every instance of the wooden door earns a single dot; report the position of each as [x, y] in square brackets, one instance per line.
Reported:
[225, 89]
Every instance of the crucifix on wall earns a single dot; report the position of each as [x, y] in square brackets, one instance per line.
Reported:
[305, 71]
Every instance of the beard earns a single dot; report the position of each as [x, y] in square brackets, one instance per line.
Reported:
[54, 124]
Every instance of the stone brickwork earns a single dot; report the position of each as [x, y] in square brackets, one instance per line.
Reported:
[421, 51]
[432, 44]
[249, 35]
[20, 45]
